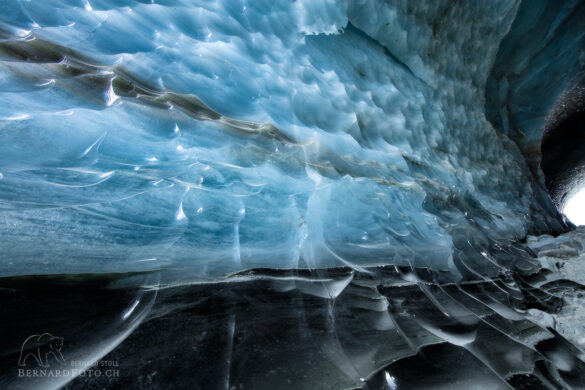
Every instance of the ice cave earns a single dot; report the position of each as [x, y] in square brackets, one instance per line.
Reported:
[281, 194]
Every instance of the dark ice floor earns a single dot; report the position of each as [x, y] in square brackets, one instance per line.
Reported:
[265, 329]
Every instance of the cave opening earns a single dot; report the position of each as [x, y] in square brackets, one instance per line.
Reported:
[563, 153]
[574, 207]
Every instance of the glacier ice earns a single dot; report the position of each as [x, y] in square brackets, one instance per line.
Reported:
[222, 136]
[380, 155]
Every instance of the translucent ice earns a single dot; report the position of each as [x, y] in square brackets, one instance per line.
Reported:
[335, 193]
[219, 136]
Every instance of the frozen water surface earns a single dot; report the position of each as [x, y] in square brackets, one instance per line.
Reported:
[288, 194]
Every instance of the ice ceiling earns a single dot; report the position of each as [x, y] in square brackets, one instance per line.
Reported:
[221, 136]
[207, 138]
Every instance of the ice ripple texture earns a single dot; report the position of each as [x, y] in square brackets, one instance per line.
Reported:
[221, 136]
[365, 170]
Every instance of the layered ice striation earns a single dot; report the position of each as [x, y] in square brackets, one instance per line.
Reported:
[219, 136]
[330, 194]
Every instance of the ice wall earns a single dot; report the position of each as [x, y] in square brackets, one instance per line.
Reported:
[541, 57]
[216, 136]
